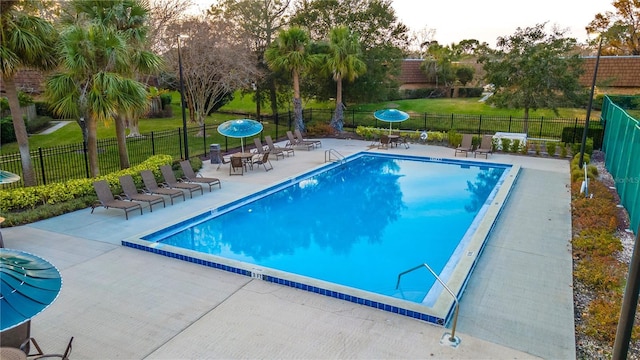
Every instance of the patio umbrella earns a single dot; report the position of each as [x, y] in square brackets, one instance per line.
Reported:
[240, 128]
[7, 177]
[28, 285]
[391, 116]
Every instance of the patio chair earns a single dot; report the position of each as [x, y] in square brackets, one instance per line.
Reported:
[293, 142]
[107, 200]
[259, 147]
[172, 182]
[467, 145]
[235, 166]
[191, 176]
[131, 193]
[152, 187]
[384, 142]
[402, 139]
[275, 149]
[486, 146]
[26, 348]
[298, 135]
[263, 160]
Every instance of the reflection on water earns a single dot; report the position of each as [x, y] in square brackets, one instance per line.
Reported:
[484, 184]
[301, 214]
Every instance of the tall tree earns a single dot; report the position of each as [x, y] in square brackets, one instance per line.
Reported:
[532, 70]
[620, 29]
[383, 41]
[344, 63]
[99, 56]
[216, 61]
[258, 21]
[26, 40]
[290, 53]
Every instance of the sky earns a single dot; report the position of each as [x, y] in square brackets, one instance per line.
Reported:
[486, 20]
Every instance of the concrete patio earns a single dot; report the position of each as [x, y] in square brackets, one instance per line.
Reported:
[121, 303]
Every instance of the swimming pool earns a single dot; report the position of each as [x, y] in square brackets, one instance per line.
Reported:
[347, 230]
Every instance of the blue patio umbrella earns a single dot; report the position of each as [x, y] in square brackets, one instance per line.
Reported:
[7, 177]
[391, 116]
[240, 128]
[28, 285]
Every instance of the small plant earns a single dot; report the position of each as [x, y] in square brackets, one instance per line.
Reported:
[515, 146]
[563, 151]
[551, 148]
[506, 144]
[455, 139]
[320, 130]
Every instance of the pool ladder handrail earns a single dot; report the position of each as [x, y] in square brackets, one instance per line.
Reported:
[339, 157]
[452, 338]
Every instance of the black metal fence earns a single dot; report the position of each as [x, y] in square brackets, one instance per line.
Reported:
[67, 162]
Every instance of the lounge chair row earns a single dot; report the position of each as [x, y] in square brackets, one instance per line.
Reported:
[486, 146]
[153, 193]
[298, 141]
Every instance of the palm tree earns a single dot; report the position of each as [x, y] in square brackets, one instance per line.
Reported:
[25, 41]
[344, 62]
[289, 53]
[98, 58]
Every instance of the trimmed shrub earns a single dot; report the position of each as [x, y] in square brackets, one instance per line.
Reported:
[19, 199]
[37, 124]
[7, 134]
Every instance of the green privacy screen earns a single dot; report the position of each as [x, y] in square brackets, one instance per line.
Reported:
[621, 145]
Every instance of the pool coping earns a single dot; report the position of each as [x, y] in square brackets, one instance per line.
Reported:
[440, 313]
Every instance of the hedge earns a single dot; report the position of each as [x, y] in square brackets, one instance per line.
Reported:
[29, 197]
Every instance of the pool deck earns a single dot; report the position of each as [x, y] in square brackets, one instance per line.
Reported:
[124, 303]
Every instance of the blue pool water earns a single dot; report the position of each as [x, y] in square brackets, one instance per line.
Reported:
[357, 225]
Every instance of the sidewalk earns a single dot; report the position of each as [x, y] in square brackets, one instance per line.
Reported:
[124, 303]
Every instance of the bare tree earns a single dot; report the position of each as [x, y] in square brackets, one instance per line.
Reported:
[216, 61]
[419, 41]
[164, 14]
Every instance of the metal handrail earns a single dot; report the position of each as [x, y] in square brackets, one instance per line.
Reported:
[327, 156]
[452, 338]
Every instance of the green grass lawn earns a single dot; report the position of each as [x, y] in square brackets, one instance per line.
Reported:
[71, 134]
[470, 106]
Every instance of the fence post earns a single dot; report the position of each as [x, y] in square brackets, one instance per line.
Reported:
[180, 142]
[204, 138]
[425, 121]
[575, 128]
[541, 121]
[86, 159]
[451, 126]
[510, 120]
[153, 144]
[44, 176]
[480, 126]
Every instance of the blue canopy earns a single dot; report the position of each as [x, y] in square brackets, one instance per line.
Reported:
[28, 285]
[240, 128]
[391, 116]
[7, 177]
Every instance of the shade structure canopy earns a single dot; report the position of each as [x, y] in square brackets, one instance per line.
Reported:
[391, 116]
[8, 177]
[240, 128]
[28, 285]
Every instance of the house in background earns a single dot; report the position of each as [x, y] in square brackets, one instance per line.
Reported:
[616, 74]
